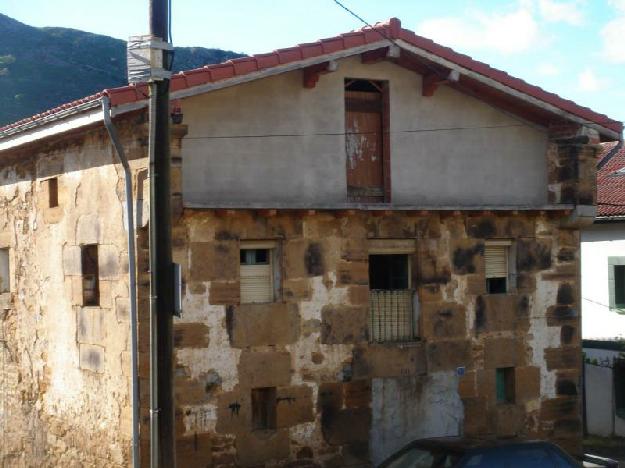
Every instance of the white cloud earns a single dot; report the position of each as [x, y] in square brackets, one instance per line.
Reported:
[566, 12]
[618, 4]
[613, 35]
[510, 32]
[548, 69]
[588, 81]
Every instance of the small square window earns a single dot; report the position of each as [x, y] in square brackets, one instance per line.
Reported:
[53, 192]
[264, 408]
[5, 279]
[257, 272]
[90, 275]
[505, 385]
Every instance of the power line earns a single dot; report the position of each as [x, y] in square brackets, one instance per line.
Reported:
[434, 70]
[296, 135]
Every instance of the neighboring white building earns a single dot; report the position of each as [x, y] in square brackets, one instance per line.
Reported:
[603, 299]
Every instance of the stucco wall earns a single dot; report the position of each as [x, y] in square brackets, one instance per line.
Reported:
[229, 158]
[599, 242]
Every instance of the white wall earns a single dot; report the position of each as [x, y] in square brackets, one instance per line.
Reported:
[599, 242]
[457, 165]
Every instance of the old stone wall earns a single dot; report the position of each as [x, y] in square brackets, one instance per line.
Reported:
[340, 399]
[64, 366]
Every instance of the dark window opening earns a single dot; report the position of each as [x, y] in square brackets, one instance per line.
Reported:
[90, 275]
[53, 192]
[388, 272]
[496, 285]
[619, 388]
[264, 408]
[619, 286]
[365, 86]
[254, 256]
[505, 385]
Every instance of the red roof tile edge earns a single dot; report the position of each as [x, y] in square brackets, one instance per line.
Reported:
[389, 30]
[610, 181]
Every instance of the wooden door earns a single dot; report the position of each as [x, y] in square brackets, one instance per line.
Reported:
[364, 145]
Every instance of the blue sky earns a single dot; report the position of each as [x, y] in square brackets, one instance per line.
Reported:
[575, 48]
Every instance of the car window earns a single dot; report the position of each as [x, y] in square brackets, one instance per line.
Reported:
[509, 457]
[413, 458]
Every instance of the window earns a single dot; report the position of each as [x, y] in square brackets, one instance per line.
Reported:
[619, 387]
[53, 192]
[257, 272]
[619, 286]
[496, 265]
[264, 408]
[90, 275]
[616, 278]
[5, 279]
[366, 141]
[505, 385]
[392, 314]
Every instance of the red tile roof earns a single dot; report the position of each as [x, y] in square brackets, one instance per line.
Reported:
[611, 182]
[391, 29]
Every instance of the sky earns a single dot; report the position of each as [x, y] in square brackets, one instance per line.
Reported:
[575, 48]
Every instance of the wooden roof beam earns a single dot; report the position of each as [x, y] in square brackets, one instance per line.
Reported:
[313, 72]
[432, 81]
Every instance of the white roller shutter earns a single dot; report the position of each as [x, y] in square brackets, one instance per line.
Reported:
[496, 259]
[256, 283]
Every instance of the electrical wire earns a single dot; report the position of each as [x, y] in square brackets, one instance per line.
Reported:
[299, 135]
[434, 70]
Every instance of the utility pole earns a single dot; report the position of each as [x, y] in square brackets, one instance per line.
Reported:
[162, 443]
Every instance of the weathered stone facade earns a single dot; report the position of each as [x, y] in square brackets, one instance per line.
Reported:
[64, 367]
[337, 405]
[64, 374]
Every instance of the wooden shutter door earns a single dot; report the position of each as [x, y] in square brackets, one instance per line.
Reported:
[364, 146]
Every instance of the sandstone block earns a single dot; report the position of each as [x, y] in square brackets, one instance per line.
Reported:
[352, 273]
[214, 261]
[448, 355]
[294, 406]
[190, 335]
[91, 357]
[264, 369]
[344, 324]
[265, 324]
[258, 447]
[527, 383]
[392, 360]
[443, 320]
[224, 292]
[504, 352]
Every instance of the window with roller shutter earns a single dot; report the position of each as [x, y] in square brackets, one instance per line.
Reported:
[497, 266]
[257, 272]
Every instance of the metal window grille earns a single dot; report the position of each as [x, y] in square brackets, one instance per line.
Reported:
[392, 315]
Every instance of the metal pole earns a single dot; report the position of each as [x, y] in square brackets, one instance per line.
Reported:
[132, 280]
[161, 265]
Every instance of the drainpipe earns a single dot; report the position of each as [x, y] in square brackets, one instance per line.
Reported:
[132, 274]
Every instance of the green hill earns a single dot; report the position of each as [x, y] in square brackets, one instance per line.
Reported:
[41, 68]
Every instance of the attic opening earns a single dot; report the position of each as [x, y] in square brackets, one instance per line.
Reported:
[367, 140]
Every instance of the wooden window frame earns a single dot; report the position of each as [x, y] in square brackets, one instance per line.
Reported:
[386, 132]
[52, 186]
[274, 264]
[510, 260]
[264, 408]
[87, 300]
[614, 262]
[505, 381]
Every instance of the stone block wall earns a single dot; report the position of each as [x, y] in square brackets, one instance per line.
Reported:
[65, 366]
[341, 399]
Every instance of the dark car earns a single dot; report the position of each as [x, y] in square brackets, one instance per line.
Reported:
[452, 452]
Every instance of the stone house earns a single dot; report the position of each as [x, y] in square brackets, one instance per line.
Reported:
[379, 241]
